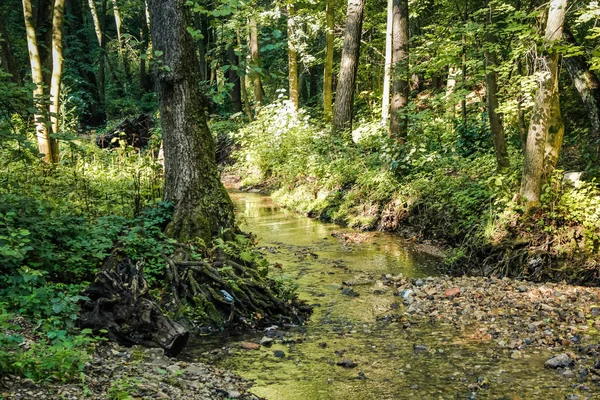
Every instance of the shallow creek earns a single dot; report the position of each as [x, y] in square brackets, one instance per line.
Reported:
[319, 257]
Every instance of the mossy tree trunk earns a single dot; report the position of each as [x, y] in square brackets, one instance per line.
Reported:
[398, 123]
[546, 129]
[202, 206]
[44, 140]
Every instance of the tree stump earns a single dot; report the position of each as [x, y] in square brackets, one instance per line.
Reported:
[119, 303]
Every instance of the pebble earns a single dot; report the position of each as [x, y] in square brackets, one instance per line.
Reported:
[559, 361]
[347, 363]
[279, 354]
[419, 347]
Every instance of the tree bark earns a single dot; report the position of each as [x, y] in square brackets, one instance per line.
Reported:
[292, 58]
[521, 112]
[546, 129]
[387, 69]
[122, 54]
[202, 49]
[57, 68]
[496, 126]
[400, 70]
[96, 20]
[202, 206]
[234, 79]
[42, 132]
[343, 107]
[328, 70]
[144, 78]
[7, 58]
[587, 85]
[256, 64]
[242, 75]
[43, 30]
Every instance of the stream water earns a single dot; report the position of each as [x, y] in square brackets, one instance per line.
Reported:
[319, 257]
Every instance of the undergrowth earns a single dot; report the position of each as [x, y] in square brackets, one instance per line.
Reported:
[430, 187]
[58, 225]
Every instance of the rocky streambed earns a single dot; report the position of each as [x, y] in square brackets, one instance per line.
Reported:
[521, 319]
[388, 325]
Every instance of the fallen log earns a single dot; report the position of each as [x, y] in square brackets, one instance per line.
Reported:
[135, 132]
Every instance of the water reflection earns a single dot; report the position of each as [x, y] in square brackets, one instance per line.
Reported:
[347, 327]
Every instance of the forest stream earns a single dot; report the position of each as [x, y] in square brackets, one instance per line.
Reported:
[349, 349]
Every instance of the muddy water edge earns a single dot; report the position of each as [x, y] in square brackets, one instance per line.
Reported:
[349, 349]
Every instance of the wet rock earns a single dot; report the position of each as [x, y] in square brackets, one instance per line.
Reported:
[349, 292]
[522, 288]
[347, 363]
[419, 347]
[250, 346]
[194, 370]
[515, 355]
[568, 373]
[562, 360]
[279, 354]
[361, 375]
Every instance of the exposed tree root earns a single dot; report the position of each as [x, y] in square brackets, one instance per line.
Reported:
[195, 293]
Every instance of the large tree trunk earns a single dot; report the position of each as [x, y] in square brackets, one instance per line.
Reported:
[400, 70]
[587, 85]
[7, 58]
[256, 63]
[546, 129]
[41, 127]
[202, 206]
[234, 79]
[292, 58]
[328, 71]
[57, 68]
[343, 108]
[496, 126]
[387, 69]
